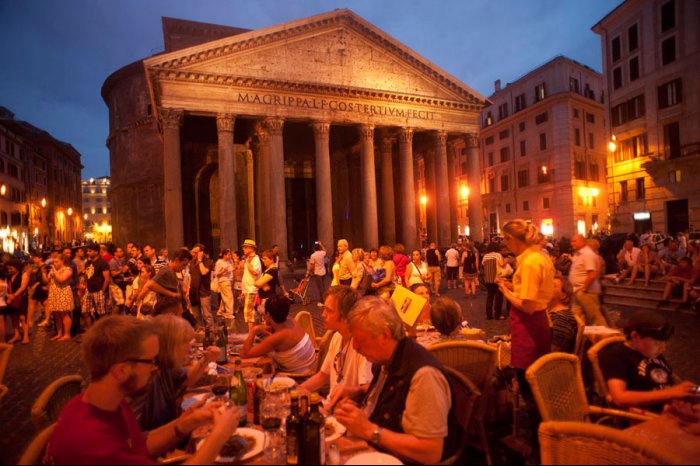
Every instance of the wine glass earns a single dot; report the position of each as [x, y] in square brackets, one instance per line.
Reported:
[271, 417]
[220, 388]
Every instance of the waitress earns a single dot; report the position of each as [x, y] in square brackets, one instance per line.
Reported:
[528, 295]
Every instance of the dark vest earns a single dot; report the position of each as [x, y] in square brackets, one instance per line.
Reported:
[408, 357]
[431, 258]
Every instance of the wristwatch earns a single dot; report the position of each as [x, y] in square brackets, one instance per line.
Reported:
[376, 435]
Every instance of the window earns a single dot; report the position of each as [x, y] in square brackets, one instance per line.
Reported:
[593, 172]
[577, 136]
[616, 49]
[590, 118]
[507, 208]
[640, 188]
[541, 118]
[503, 134]
[523, 149]
[545, 202]
[489, 119]
[674, 176]
[631, 148]
[635, 108]
[544, 175]
[619, 115]
[672, 140]
[492, 185]
[617, 78]
[580, 170]
[490, 158]
[670, 93]
[634, 68]
[523, 178]
[632, 38]
[573, 85]
[489, 140]
[540, 92]
[543, 141]
[526, 206]
[668, 51]
[623, 191]
[591, 141]
[668, 16]
[86, 190]
[13, 170]
[505, 154]
[521, 126]
[520, 102]
[576, 113]
[502, 111]
[504, 182]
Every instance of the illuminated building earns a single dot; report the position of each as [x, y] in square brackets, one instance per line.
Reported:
[97, 209]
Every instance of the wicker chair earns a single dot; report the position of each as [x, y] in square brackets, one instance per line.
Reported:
[52, 400]
[478, 362]
[35, 450]
[600, 382]
[465, 398]
[557, 386]
[583, 443]
[5, 351]
[307, 323]
[580, 337]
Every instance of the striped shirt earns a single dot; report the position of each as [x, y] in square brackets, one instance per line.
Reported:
[490, 263]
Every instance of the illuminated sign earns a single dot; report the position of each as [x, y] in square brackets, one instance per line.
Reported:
[642, 215]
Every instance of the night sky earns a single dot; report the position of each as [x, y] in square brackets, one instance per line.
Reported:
[55, 55]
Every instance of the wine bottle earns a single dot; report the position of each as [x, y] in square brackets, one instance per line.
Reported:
[295, 427]
[238, 394]
[257, 400]
[314, 439]
[222, 343]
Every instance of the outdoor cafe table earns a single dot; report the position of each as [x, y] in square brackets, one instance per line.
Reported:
[665, 432]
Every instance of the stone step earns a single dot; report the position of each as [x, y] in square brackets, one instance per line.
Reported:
[634, 293]
[638, 284]
[637, 303]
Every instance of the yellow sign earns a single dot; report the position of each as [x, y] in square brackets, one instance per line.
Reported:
[408, 304]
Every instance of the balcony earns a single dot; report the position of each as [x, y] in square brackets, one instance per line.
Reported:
[688, 152]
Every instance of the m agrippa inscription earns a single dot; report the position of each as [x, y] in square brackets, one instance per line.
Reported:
[333, 104]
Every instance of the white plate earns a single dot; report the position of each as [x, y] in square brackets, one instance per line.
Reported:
[188, 402]
[259, 437]
[339, 429]
[373, 458]
[288, 382]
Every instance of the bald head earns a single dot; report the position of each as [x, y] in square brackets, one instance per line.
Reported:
[577, 242]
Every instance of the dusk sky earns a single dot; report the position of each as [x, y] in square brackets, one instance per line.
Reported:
[57, 54]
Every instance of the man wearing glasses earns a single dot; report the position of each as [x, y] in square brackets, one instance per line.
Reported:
[98, 427]
[344, 369]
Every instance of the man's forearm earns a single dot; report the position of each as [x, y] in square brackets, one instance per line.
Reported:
[410, 447]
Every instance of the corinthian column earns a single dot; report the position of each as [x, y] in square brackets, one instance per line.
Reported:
[452, 189]
[227, 182]
[278, 201]
[324, 199]
[388, 219]
[409, 227]
[369, 188]
[262, 185]
[442, 187]
[476, 216]
[170, 121]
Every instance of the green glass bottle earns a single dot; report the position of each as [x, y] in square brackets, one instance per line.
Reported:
[238, 394]
[295, 427]
[314, 440]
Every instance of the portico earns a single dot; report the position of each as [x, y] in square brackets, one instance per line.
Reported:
[318, 121]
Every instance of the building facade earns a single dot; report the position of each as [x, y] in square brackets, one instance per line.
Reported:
[651, 58]
[97, 209]
[543, 150]
[312, 129]
[40, 201]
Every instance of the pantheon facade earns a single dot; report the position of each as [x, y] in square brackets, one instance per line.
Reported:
[317, 129]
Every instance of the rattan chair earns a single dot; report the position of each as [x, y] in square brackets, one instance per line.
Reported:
[600, 382]
[465, 398]
[580, 337]
[584, 443]
[54, 398]
[307, 323]
[557, 386]
[35, 450]
[478, 362]
[5, 351]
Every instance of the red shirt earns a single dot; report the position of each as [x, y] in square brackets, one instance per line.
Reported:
[86, 434]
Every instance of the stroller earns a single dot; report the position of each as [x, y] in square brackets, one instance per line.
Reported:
[300, 291]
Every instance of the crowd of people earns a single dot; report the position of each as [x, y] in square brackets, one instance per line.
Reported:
[141, 310]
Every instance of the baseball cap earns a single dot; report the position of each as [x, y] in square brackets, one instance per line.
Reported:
[647, 324]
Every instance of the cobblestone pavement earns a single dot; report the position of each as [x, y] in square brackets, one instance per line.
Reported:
[32, 367]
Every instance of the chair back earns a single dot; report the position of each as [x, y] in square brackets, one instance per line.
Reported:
[54, 398]
[465, 396]
[323, 345]
[35, 450]
[600, 382]
[586, 443]
[307, 323]
[580, 328]
[473, 359]
[5, 351]
[557, 386]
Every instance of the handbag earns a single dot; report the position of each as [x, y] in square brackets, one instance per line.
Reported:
[379, 275]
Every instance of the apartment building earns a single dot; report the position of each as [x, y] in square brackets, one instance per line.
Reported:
[97, 209]
[543, 149]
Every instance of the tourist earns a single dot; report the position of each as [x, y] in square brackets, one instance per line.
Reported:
[117, 269]
[97, 277]
[3, 303]
[37, 289]
[393, 414]
[335, 269]
[678, 280]
[470, 269]
[99, 427]
[200, 285]
[669, 255]
[346, 264]
[583, 276]
[648, 262]
[636, 371]
[283, 339]
[317, 269]
[252, 269]
[446, 317]
[626, 259]
[60, 296]
[400, 260]
[384, 275]
[142, 306]
[432, 257]
[268, 283]
[168, 289]
[452, 256]
[361, 275]
[158, 405]
[416, 270]
[344, 370]
[223, 271]
[374, 260]
[492, 263]
[564, 325]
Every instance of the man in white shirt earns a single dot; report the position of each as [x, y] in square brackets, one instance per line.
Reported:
[343, 368]
[317, 269]
[583, 276]
[252, 270]
[626, 259]
[452, 266]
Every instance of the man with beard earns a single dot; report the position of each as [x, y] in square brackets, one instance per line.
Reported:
[98, 427]
[98, 278]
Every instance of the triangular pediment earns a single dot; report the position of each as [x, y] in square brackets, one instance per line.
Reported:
[337, 49]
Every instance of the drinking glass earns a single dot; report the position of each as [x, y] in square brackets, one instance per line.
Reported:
[220, 388]
[271, 417]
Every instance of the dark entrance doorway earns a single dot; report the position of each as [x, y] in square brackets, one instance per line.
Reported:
[677, 216]
[642, 225]
[301, 216]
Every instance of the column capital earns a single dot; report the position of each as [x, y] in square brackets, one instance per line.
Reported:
[225, 122]
[274, 126]
[321, 129]
[406, 135]
[387, 144]
[170, 118]
[366, 132]
[471, 140]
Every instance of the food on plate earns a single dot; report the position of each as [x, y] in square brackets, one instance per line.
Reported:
[237, 446]
[330, 428]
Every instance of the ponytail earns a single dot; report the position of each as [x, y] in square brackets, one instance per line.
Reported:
[523, 231]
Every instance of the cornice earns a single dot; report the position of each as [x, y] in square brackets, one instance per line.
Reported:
[136, 124]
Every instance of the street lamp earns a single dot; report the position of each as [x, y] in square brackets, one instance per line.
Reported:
[3, 190]
[43, 202]
[612, 145]
[424, 199]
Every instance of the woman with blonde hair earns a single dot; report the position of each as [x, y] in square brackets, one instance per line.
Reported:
[360, 271]
[158, 404]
